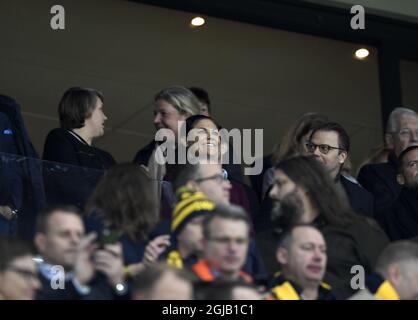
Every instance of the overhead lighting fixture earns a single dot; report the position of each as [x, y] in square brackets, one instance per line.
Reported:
[361, 54]
[197, 22]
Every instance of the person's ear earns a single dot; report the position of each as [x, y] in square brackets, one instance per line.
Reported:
[342, 157]
[394, 274]
[185, 115]
[389, 141]
[400, 178]
[40, 242]
[282, 256]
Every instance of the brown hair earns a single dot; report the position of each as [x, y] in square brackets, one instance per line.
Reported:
[290, 145]
[44, 216]
[328, 198]
[76, 105]
[124, 201]
[12, 248]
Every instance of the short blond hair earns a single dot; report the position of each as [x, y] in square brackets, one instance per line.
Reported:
[180, 98]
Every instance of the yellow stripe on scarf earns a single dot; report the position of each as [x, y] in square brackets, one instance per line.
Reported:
[286, 291]
[174, 260]
[387, 292]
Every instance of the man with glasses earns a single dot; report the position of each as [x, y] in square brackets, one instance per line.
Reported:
[212, 181]
[400, 220]
[380, 179]
[18, 272]
[329, 143]
[226, 235]
[208, 178]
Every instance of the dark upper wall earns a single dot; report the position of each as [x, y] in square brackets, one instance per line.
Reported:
[258, 77]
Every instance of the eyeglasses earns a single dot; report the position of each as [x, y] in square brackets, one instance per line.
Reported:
[323, 148]
[227, 240]
[27, 274]
[406, 133]
[220, 177]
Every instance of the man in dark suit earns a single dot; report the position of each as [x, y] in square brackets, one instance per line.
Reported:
[380, 179]
[400, 220]
[21, 185]
[74, 266]
[330, 144]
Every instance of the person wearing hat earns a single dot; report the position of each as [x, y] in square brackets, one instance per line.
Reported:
[186, 227]
[400, 220]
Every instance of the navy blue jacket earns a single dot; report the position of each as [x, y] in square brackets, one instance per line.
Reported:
[360, 199]
[400, 220]
[99, 290]
[21, 184]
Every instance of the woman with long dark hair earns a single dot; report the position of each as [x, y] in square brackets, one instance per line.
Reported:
[123, 205]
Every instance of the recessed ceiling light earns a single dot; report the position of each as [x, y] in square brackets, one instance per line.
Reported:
[361, 54]
[197, 22]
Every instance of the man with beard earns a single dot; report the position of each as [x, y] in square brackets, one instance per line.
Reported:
[307, 195]
[302, 254]
[401, 220]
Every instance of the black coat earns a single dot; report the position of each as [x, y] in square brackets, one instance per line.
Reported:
[99, 290]
[360, 243]
[380, 181]
[360, 199]
[400, 220]
[73, 168]
[21, 184]
[65, 147]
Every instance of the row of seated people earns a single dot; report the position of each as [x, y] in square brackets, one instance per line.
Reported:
[327, 142]
[204, 257]
[82, 120]
[378, 195]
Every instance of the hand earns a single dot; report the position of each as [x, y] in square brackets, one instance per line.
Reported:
[6, 212]
[155, 248]
[110, 261]
[84, 268]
